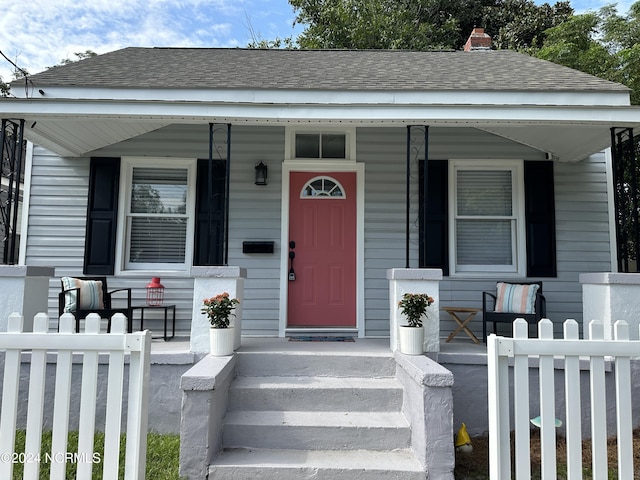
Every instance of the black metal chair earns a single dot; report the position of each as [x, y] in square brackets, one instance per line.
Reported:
[489, 315]
[106, 311]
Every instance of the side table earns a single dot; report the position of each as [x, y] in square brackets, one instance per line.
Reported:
[166, 309]
[462, 323]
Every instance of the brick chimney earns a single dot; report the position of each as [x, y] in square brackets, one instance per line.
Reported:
[478, 40]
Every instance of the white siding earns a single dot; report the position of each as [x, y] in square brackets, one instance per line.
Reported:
[58, 210]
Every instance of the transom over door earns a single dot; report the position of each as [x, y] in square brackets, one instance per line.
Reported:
[322, 236]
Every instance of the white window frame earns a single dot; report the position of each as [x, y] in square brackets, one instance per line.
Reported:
[349, 142]
[124, 206]
[518, 240]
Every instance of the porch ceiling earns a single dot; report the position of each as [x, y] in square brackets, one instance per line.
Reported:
[72, 128]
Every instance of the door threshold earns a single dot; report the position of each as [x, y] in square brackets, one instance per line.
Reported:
[320, 331]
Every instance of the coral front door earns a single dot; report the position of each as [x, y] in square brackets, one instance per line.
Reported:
[322, 250]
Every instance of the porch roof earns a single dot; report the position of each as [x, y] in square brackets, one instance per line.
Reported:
[80, 107]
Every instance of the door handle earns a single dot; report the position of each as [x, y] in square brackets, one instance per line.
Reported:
[292, 255]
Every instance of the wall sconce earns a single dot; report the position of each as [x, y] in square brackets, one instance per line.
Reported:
[155, 293]
[261, 173]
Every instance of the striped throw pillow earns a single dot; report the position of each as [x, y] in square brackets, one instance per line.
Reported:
[90, 294]
[516, 298]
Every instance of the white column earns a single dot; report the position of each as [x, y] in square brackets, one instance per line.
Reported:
[415, 280]
[25, 290]
[208, 282]
[609, 297]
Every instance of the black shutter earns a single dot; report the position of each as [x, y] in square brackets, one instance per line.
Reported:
[434, 225]
[540, 219]
[209, 234]
[102, 216]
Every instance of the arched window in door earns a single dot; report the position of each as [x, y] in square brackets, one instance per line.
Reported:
[322, 187]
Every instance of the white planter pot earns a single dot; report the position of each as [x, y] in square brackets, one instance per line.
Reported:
[411, 340]
[221, 341]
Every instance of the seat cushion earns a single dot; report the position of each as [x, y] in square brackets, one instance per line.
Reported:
[516, 298]
[90, 294]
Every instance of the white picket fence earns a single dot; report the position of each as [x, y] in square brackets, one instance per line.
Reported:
[66, 343]
[519, 351]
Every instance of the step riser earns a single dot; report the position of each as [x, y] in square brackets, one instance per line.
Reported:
[309, 365]
[315, 437]
[316, 399]
[302, 473]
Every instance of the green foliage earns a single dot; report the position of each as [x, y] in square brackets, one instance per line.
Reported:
[519, 24]
[78, 55]
[602, 43]
[219, 309]
[422, 24]
[163, 456]
[414, 306]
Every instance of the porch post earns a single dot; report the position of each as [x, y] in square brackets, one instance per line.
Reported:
[609, 297]
[415, 280]
[207, 282]
[24, 290]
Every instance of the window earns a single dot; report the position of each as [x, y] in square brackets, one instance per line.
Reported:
[156, 222]
[487, 217]
[320, 145]
[322, 187]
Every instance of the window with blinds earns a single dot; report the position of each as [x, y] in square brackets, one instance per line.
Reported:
[485, 218]
[157, 220]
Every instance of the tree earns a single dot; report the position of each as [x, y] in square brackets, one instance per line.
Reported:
[78, 55]
[519, 24]
[422, 24]
[602, 43]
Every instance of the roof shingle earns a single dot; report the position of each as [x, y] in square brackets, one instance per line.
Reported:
[213, 68]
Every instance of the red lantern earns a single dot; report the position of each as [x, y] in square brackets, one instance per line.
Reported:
[155, 292]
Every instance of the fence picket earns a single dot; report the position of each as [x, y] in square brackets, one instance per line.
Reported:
[573, 413]
[62, 401]
[35, 407]
[598, 402]
[623, 396]
[547, 405]
[521, 404]
[113, 417]
[137, 418]
[498, 383]
[10, 387]
[88, 391]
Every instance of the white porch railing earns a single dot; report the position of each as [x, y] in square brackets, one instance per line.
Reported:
[518, 350]
[91, 343]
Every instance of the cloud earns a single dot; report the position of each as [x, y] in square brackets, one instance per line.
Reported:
[45, 32]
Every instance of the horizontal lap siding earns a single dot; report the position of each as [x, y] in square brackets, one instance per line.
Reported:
[57, 218]
[581, 221]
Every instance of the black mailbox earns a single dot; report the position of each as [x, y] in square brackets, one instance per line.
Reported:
[257, 247]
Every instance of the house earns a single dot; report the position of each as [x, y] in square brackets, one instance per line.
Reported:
[315, 172]
[128, 178]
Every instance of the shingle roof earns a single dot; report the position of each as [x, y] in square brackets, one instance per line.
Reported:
[320, 70]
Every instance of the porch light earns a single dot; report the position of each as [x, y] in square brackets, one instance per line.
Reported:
[261, 173]
[155, 292]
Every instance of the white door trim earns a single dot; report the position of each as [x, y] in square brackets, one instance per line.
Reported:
[322, 166]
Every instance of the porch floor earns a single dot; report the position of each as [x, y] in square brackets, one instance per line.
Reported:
[456, 351]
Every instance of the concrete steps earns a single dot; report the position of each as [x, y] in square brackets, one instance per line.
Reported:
[318, 415]
[244, 464]
[315, 393]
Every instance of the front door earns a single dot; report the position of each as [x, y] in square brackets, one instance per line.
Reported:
[322, 241]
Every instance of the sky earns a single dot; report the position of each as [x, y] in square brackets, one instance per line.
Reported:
[37, 34]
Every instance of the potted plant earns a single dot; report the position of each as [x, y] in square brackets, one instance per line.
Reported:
[414, 307]
[219, 310]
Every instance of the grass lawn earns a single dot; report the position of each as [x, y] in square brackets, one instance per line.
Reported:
[163, 453]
